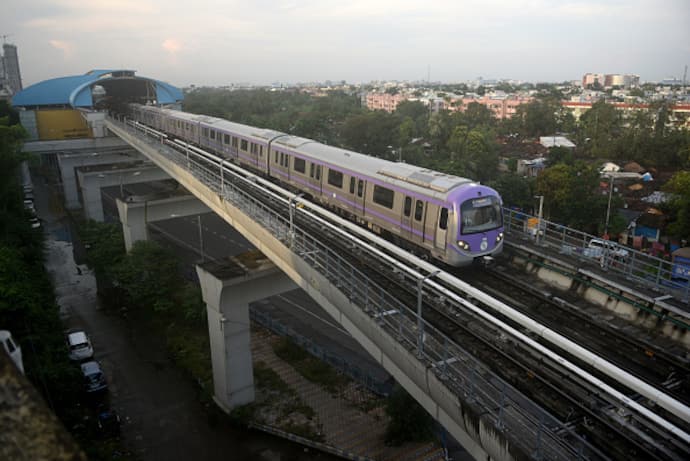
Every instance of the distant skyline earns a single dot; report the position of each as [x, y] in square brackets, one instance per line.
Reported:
[216, 42]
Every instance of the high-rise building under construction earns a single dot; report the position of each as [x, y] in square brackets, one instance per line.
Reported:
[10, 77]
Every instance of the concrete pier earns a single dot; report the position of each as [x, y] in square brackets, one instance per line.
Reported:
[227, 289]
[136, 212]
[92, 179]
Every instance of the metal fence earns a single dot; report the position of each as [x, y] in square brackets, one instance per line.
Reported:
[484, 393]
[636, 266]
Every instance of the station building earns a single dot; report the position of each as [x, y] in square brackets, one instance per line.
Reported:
[74, 107]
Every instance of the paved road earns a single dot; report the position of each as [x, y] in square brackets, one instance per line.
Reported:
[162, 416]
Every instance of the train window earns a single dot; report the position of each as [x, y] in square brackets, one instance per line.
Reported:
[418, 210]
[408, 206]
[261, 151]
[318, 172]
[243, 144]
[234, 142]
[443, 219]
[311, 170]
[226, 139]
[287, 160]
[252, 148]
[335, 178]
[213, 134]
[299, 165]
[360, 188]
[275, 155]
[352, 184]
[383, 196]
[204, 131]
[282, 156]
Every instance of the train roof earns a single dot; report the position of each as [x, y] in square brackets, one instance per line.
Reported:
[221, 124]
[417, 179]
[422, 180]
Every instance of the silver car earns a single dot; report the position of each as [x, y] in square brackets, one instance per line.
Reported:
[79, 346]
[94, 379]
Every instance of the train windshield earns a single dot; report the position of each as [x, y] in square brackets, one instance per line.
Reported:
[480, 215]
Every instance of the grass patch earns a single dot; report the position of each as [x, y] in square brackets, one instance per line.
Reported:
[303, 430]
[190, 349]
[309, 366]
[268, 379]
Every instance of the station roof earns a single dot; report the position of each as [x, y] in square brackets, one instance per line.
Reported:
[75, 90]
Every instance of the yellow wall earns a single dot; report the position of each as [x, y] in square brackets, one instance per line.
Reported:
[61, 124]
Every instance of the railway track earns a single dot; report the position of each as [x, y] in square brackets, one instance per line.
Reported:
[662, 367]
[575, 402]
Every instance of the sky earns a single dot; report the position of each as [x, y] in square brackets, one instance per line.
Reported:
[220, 42]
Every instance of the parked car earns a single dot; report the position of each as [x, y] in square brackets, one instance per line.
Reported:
[599, 247]
[108, 421]
[94, 379]
[12, 349]
[79, 345]
[29, 205]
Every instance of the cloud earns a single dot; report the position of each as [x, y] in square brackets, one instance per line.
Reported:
[67, 48]
[171, 45]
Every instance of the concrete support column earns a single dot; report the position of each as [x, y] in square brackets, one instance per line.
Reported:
[93, 180]
[133, 219]
[67, 163]
[137, 211]
[227, 290]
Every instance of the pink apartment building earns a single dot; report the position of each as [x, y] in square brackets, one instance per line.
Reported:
[384, 101]
[502, 107]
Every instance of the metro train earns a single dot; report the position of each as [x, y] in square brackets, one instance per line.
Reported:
[449, 218]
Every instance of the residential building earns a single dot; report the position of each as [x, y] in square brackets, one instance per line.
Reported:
[679, 113]
[384, 101]
[611, 80]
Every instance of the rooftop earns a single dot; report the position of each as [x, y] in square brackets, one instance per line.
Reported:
[78, 90]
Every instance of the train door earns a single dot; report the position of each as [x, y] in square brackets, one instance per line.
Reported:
[406, 218]
[418, 220]
[359, 197]
[442, 228]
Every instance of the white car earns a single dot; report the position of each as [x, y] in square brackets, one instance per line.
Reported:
[12, 349]
[79, 346]
[598, 247]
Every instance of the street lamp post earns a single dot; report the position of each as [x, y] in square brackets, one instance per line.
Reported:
[201, 239]
[122, 179]
[539, 215]
[608, 207]
[420, 320]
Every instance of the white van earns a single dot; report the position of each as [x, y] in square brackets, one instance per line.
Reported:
[12, 349]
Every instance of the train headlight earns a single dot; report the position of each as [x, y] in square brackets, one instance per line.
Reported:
[464, 245]
[499, 237]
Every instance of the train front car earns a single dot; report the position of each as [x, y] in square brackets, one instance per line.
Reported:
[479, 224]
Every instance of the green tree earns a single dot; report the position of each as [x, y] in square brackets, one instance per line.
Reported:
[600, 128]
[571, 198]
[473, 153]
[478, 115]
[679, 205]
[409, 422]
[149, 275]
[538, 117]
[514, 189]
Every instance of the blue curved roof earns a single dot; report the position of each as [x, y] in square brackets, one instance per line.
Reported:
[75, 90]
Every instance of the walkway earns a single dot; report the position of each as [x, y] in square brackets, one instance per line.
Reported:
[344, 425]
